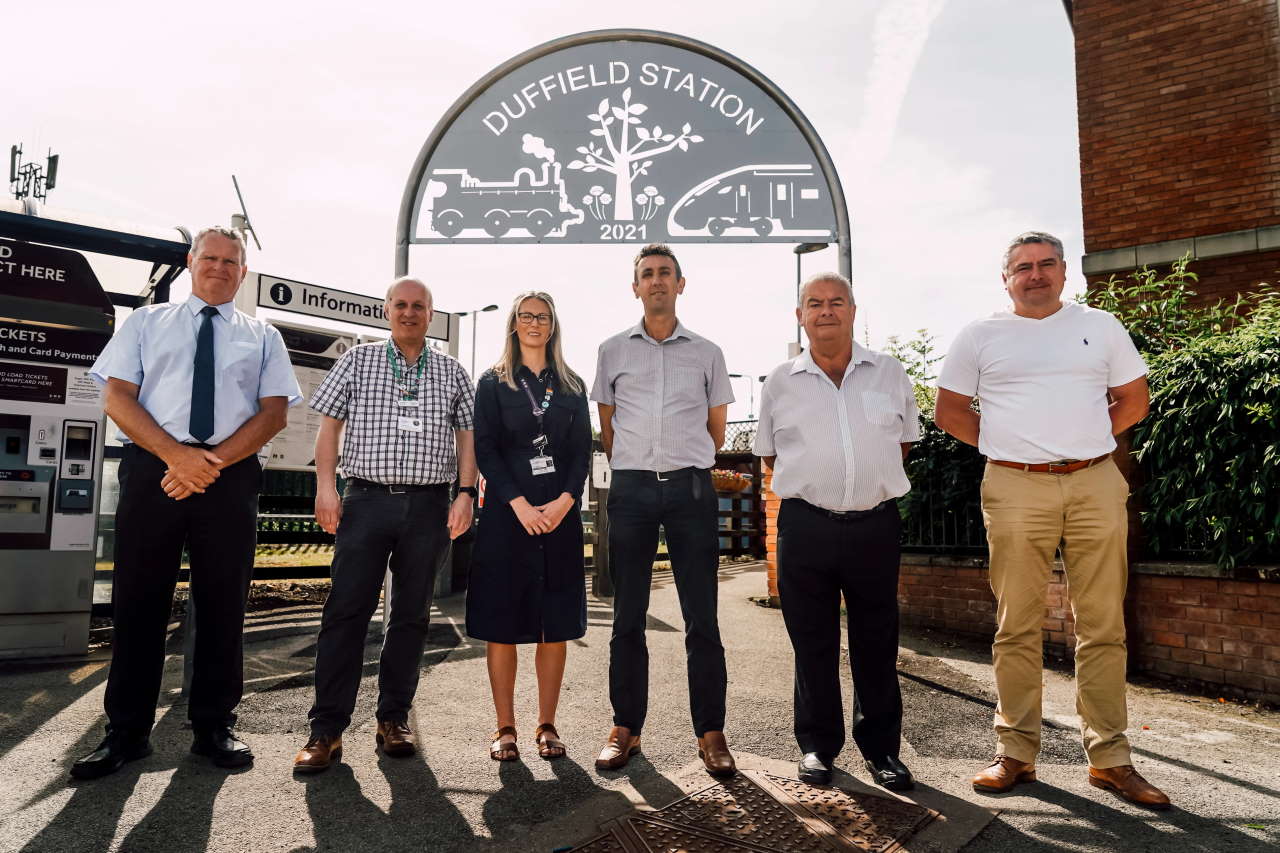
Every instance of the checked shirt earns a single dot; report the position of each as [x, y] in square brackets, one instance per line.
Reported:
[361, 390]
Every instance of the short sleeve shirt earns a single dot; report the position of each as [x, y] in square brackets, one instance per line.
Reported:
[362, 390]
[661, 391]
[155, 349]
[838, 448]
[1042, 384]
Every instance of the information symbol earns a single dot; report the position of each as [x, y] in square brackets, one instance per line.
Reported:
[281, 294]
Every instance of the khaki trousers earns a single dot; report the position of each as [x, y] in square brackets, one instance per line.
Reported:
[1028, 517]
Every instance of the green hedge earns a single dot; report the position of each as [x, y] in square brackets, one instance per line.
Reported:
[1210, 449]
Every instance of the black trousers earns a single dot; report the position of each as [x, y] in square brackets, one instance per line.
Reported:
[407, 532]
[685, 506]
[820, 559]
[218, 529]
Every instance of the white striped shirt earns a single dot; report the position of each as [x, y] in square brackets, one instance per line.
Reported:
[838, 448]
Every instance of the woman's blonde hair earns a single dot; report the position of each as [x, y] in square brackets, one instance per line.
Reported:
[509, 363]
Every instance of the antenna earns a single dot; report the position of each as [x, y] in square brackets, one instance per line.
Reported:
[240, 221]
[29, 180]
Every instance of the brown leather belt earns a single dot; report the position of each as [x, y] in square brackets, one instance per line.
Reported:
[1064, 466]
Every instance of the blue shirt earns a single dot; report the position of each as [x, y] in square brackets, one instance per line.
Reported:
[155, 349]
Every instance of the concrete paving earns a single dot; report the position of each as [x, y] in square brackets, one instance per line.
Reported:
[1219, 762]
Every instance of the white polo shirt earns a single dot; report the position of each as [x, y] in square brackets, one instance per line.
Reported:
[1042, 384]
[838, 448]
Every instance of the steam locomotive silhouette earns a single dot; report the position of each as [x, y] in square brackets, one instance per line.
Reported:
[536, 203]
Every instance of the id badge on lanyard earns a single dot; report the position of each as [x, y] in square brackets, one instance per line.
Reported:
[542, 463]
[410, 420]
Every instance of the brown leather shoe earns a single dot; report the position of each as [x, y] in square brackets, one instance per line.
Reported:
[1003, 774]
[618, 749]
[1128, 783]
[395, 739]
[318, 754]
[714, 753]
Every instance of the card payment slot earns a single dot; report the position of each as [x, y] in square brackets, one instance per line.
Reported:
[75, 480]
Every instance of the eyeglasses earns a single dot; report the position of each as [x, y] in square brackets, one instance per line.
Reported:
[527, 318]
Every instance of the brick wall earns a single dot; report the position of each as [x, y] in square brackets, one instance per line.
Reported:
[1179, 116]
[1223, 635]
[1220, 632]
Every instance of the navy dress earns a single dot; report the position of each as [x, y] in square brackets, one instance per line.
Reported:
[522, 588]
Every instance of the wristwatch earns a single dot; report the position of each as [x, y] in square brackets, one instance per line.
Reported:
[469, 490]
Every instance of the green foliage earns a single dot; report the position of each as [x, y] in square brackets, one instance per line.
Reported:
[942, 507]
[1160, 311]
[918, 356]
[1210, 448]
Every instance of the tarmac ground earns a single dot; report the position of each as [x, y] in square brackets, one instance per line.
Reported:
[1220, 763]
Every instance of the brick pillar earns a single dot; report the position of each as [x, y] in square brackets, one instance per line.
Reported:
[771, 504]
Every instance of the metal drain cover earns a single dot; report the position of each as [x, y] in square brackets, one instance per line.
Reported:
[756, 811]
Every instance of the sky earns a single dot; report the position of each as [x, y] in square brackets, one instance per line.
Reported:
[952, 124]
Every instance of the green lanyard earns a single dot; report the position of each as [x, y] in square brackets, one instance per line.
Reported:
[395, 371]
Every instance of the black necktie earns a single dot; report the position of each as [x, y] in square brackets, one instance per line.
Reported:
[202, 379]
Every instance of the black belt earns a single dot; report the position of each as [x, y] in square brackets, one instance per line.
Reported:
[198, 444]
[394, 488]
[848, 515]
[662, 476]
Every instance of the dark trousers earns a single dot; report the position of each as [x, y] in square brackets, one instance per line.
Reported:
[685, 506]
[218, 529]
[820, 559]
[410, 531]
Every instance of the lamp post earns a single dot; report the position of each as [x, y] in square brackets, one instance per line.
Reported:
[802, 249]
[473, 314]
[751, 392]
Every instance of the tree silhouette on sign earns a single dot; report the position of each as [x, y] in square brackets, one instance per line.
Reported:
[624, 160]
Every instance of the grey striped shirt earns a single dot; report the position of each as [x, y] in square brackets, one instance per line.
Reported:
[838, 448]
[661, 391]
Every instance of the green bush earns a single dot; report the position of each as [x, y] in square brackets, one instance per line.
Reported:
[1210, 448]
[942, 509]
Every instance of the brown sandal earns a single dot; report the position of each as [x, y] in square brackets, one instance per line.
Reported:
[500, 751]
[548, 740]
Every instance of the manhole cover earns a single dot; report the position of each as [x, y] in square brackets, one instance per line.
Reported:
[865, 822]
[760, 812]
[603, 844]
[742, 810]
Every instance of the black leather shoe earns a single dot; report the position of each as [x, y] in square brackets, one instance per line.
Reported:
[812, 770]
[889, 772]
[111, 755]
[221, 745]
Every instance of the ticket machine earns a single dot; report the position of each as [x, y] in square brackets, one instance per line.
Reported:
[54, 320]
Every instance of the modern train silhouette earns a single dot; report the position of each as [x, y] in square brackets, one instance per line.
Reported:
[761, 198]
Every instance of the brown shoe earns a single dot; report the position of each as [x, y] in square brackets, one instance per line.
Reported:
[1003, 774]
[395, 739]
[318, 754]
[618, 749]
[1128, 783]
[714, 753]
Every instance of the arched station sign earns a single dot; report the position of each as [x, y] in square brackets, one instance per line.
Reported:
[623, 135]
